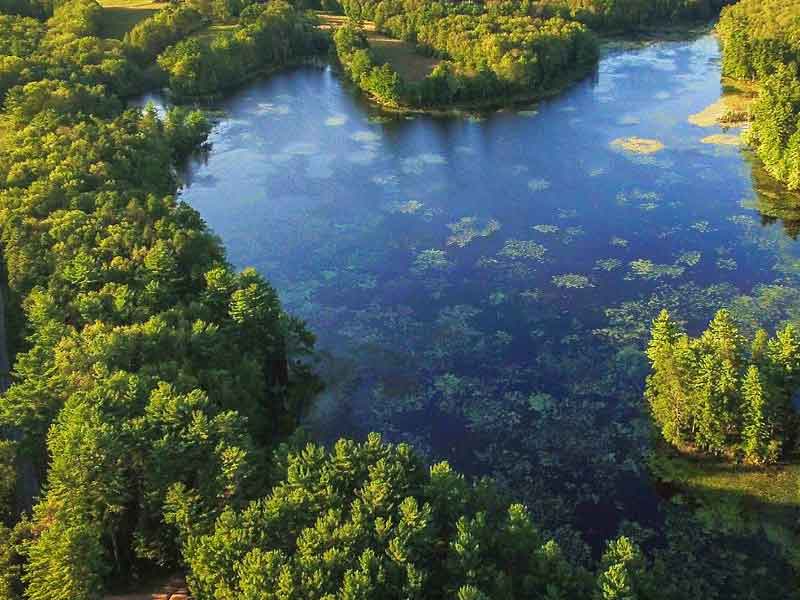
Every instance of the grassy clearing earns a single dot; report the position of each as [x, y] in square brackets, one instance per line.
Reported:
[120, 16]
[401, 56]
[207, 34]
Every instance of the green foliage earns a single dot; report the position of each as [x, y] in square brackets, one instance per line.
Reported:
[64, 48]
[489, 51]
[146, 361]
[8, 476]
[271, 36]
[760, 41]
[720, 393]
[370, 521]
[152, 36]
[628, 15]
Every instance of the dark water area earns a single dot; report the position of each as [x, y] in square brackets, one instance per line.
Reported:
[482, 287]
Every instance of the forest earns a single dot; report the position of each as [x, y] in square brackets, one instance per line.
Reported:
[722, 393]
[155, 389]
[760, 43]
[490, 52]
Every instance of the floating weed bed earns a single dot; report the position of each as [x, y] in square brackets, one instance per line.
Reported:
[523, 250]
[637, 145]
[538, 185]
[572, 280]
[607, 264]
[416, 165]
[723, 139]
[336, 120]
[467, 229]
[643, 268]
[431, 260]
[690, 259]
[727, 264]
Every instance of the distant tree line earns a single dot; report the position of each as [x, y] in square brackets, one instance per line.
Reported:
[761, 42]
[628, 15]
[722, 393]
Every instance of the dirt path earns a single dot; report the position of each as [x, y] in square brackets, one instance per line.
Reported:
[173, 589]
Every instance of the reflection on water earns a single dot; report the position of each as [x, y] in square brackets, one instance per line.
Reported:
[483, 287]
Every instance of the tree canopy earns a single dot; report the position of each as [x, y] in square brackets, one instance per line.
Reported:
[760, 42]
[722, 393]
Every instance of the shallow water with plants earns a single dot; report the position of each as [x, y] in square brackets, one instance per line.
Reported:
[482, 285]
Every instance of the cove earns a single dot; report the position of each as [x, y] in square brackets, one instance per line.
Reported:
[483, 286]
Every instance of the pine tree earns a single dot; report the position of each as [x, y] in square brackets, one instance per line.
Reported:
[756, 431]
[666, 391]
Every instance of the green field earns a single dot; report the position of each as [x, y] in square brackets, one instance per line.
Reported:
[120, 16]
[401, 56]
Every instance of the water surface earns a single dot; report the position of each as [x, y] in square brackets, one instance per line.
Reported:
[482, 287]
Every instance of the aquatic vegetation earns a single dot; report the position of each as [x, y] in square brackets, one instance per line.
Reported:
[497, 298]
[608, 264]
[643, 268]
[629, 120]
[268, 108]
[743, 220]
[523, 249]
[570, 233]
[701, 226]
[546, 228]
[731, 110]
[572, 280]
[597, 172]
[416, 165]
[531, 295]
[619, 242]
[431, 260]
[409, 207]
[629, 322]
[690, 259]
[727, 264]
[637, 145]
[723, 139]
[519, 169]
[541, 402]
[645, 199]
[366, 137]
[385, 180]
[538, 184]
[363, 157]
[467, 229]
[336, 120]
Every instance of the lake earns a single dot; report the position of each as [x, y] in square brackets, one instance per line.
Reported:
[482, 286]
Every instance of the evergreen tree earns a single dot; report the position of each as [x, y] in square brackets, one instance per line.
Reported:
[756, 431]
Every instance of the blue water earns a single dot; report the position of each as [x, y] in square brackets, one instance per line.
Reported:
[467, 339]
